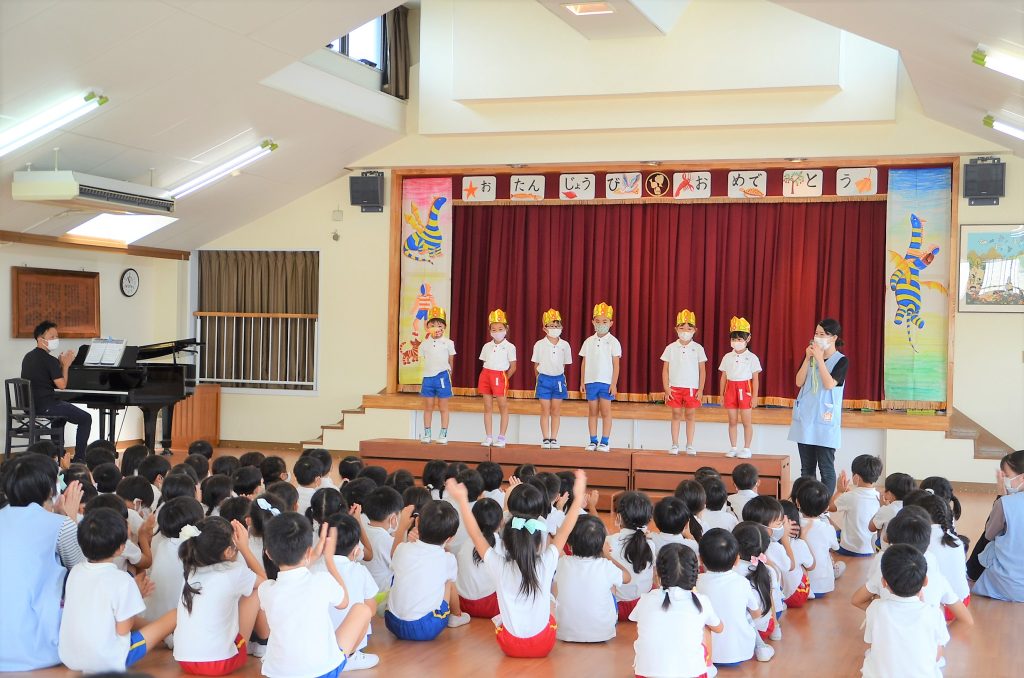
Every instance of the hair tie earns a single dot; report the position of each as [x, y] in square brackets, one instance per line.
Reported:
[532, 525]
[929, 490]
[265, 505]
[754, 560]
[643, 528]
[188, 531]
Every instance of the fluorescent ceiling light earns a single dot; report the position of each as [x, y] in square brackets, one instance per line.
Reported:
[126, 228]
[1004, 62]
[53, 118]
[224, 169]
[1005, 128]
[589, 8]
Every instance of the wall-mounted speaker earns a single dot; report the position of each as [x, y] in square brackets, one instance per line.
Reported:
[367, 191]
[984, 181]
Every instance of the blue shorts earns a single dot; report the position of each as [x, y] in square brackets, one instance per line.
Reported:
[437, 386]
[599, 390]
[551, 388]
[854, 554]
[337, 671]
[427, 627]
[136, 649]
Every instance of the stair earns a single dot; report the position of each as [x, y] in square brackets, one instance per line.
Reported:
[986, 444]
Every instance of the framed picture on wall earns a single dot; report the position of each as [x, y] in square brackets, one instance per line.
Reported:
[991, 272]
[69, 298]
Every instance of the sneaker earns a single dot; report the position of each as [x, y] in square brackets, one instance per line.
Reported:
[745, 453]
[443, 438]
[764, 653]
[425, 438]
[461, 620]
[732, 452]
[838, 568]
[690, 450]
[545, 444]
[487, 442]
[553, 445]
[674, 449]
[500, 442]
[604, 447]
[590, 447]
[360, 660]
[776, 633]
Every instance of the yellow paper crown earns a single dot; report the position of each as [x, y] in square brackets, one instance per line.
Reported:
[436, 313]
[497, 316]
[550, 316]
[605, 310]
[686, 317]
[739, 325]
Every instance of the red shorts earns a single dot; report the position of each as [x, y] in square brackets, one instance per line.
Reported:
[492, 382]
[949, 615]
[486, 607]
[766, 634]
[536, 646]
[683, 398]
[799, 596]
[737, 395]
[625, 607]
[218, 668]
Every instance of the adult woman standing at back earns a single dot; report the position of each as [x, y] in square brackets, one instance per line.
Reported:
[817, 412]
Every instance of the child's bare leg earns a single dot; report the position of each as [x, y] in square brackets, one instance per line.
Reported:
[606, 418]
[733, 419]
[545, 419]
[155, 631]
[592, 417]
[262, 626]
[248, 609]
[556, 415]
[748, 428]
[442, 404]
[676, 415]
[452, 596]
[428, 411]
[691, 425]
[503, 412]
[352, 631]
[488, 414]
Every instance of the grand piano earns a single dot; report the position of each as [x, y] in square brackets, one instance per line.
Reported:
[134, 381]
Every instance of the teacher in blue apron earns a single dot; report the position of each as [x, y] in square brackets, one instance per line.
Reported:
[818, 411]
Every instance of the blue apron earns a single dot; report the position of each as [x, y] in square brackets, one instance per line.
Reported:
[818, 411]
[1003, 578]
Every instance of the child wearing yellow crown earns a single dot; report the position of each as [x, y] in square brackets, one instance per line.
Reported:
[438, 355]
[499, 358]
[550, 356]
[740, 369]
[683, 374]
[601, 353]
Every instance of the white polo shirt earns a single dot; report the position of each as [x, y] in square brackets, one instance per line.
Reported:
[732, 596]
[739, 500]
[776, 554]
[207, 634]
[791, 578]
[904, 639]
[937, 591]
[168, 576]
[497, 495]
[662, 539]
[554, 520]
[598, 352]
[952, 562]
[586, 611]
[740, 366]
[671, 642]
[524, 616]
[858, 507]
[723, 518]
[358, 583]
[684, 363]
[821, 539]
[474, 581]
[639, 582]
[132, 554]
[380, 566]
[302, 641]
[498, 356]
[98, 595]
[435, 354]
[882, 517]
[421, 572]
[305, 497]
[551, 358]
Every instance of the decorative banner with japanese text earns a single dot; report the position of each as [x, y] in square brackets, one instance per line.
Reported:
[526, 187]
[748, 184]
[691, 185]
[623, 185]
[576, 186]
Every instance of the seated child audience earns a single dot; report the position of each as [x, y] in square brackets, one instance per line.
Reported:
[746, 480]
[812, 500]
[202, 447]
[274, 469]
[99, 452]
[131, 457]
[671, 517]
[767, 511]
[945, 546]
[308, 473]
[225, 466]
[325, 502]
[154, 469]
[137, 495]
[106, 477]
[262, 510]
[213, 490]
[491, 474]
[253, 459]
[753, 543]
[248, 481]
[856, 501]
[287, 493]
[349, 468]
[692, 494]
[476, 589]
[433, 476]
[716, 514]
[378, 474]
[382, 507]
[178, 485]
[176, 520]
[401, 480]
[474, 488]
[138, 555]
[942, 488]
[796, 587]
[897, 486]
[200, 464]
[557, 499]
[326, 462]
[185, 469]
[631, 548]
[725, 585]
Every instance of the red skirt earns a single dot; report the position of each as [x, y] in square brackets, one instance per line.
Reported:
[218, 668]
[533, 647]
[486, 607]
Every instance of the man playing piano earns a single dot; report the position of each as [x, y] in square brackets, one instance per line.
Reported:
[46, 373]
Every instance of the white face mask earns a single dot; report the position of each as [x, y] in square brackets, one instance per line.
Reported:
[554, 332]
[822, 342]
[777, 533]
[685, 336]
[497, 336]
[393, 526]
[52, 345]
[1008, 484]
[738, 344]
[601, 328]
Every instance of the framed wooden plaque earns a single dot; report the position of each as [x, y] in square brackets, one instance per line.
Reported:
[69, 298]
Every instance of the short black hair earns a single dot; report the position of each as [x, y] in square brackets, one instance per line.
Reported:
[247, 479]
[706, 472]
[745, 476]
[29, 479]
[671, 515]
[438, 522]
[911, 526]
[812, 498]
[377, 474]
[718, 550]
[185, 470]
[553, 484]
[102, 443]
[42, 328]
[47, 448]
[106, 477]
[89, 492]
[286, 491]
[131, 457]
[417, 496]
[433, 474]
[867, 466]
[101, 533]
[715, 491]
[109, 501]
[215, 489]
[490, 473]
[202, 447]
[200, 464]
[349, 467]
[904, 570]
[225, 466]
[132, 488]
[545, 492]
[321, 455]
[286, 538]
[899, 485]
[252, 458]
[401, 480]
[524, 471]
[79, 472]
[272, 469]
[152, 467]
[307, 470]
[762, 509]
[474, 483]
[176, 514]
[384, 501]
[356, 491]
[99, 455]
[745, 336]
[348, 532]
[587, 537]
[235, 508]
[177, 485]
[790, 510]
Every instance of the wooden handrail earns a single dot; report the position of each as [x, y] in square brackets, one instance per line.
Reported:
[230, 314]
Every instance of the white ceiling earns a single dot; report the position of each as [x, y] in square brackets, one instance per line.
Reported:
[630, 18]
[183, 80]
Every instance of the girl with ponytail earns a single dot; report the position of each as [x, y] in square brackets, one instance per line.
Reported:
[753, 540]
[632, 549]
[674, 623]
[219, 607]
[945, 544]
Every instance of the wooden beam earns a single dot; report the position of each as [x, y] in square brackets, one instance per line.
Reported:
[394, 281]
[93, 244]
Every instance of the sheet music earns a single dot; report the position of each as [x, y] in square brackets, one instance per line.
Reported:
[105, 352]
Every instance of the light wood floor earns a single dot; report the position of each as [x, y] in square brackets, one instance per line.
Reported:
[823, 639]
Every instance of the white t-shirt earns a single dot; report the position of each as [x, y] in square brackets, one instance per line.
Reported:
[131, 554]
[937, 591]
[731, 596]
[380, 565]
[586, 610]
[498, 356]
[740, 366]
[168, 577]
[497, 495]
[723, 518]
[821, 539]
[551, 358]
[98, 595]
[523, 616]
[684, 363]
[435, 353]
[207, 634]
[904, 639]
[305, 497]
[461, 537]
[554, 520]
[791, 578]
[670, 643]
[952, 562]
[358, 583]
[882, 517]
[640, 582]
[598, 352]
[660, 539]
[302, 641]
[858, 507]
[474, 581]
[135, 521]
[739, 500]
[421, 572]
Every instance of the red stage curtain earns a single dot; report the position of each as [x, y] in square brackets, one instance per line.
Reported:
[781, 265]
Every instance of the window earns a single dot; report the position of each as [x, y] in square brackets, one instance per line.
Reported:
[365, 44]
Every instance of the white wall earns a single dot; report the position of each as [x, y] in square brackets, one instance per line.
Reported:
[154, 314]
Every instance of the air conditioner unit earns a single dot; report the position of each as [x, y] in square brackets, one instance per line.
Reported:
[91, 193]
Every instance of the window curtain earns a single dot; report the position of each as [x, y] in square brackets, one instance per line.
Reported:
[781, 265]
[396, 53]
[261, 351]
